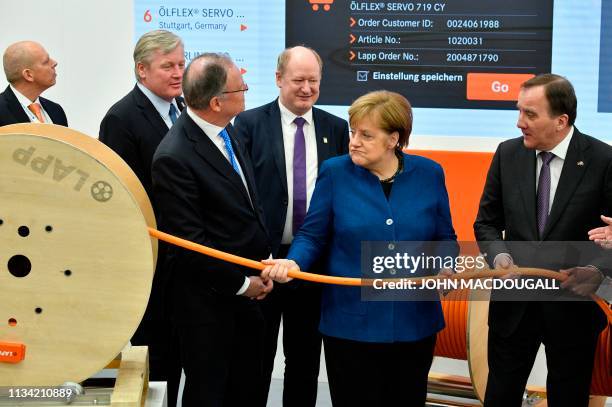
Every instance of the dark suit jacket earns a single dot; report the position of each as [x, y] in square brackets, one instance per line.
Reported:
[11, 111]
[508, 204]
[201, 198]
[260, 130]
[133, 129]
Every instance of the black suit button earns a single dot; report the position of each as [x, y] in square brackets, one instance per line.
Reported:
[285, 202]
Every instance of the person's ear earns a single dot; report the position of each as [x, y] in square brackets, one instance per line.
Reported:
[215, 104]
[394, 139]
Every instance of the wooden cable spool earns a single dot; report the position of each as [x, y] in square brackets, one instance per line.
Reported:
[76, 258]
[465, 338]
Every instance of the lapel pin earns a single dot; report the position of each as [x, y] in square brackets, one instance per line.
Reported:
[325, 140]
[580, 163]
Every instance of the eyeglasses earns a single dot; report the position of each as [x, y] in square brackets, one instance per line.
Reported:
[245, 89]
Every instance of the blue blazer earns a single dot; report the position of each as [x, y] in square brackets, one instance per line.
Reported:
[349, 206]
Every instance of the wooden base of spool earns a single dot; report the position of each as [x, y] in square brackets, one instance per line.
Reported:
[130, 390]
[594, 401]
[462, 387]
[132, 378]
[476, 339]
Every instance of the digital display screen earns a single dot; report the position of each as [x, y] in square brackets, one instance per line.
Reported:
[460, 62]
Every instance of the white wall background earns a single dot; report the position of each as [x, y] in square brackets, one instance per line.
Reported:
[92, 40]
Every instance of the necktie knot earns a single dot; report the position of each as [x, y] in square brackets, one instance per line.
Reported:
[547, 157]
[299, 122]
[173, 113]
[37, 110]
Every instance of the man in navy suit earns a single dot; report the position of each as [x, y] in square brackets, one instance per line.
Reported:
[205, 190]
[550, 185]
[29, 71]
[133, 128]
[269, 134]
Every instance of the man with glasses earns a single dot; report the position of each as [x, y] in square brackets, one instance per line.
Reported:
[288, 139]
[204, 184]
[133, 128]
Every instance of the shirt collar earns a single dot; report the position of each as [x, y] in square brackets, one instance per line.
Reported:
[161, 105]
[288, 117]
[210, 129]
[25, 102]
[560, 150]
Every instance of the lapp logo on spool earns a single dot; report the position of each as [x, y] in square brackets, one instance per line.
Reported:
[12, 352]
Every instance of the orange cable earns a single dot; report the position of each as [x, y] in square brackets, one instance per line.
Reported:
[350, 281]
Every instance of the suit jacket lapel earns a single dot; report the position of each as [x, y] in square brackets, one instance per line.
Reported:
[323, 138]
[150, 113]
[15, 107]
[50, 109]
[526, 162]
[180, 102]
[249, 176]
[277, 145]
[570, 178]
[209, 152]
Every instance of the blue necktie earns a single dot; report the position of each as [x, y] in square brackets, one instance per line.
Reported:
[173, 113]
[229, 149]
[544, 191]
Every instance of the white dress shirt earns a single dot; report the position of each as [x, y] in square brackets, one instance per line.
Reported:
[161, 105]
[25, 102]
[312, 163]
[556, 165]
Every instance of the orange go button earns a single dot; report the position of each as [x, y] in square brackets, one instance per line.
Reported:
[495, 86]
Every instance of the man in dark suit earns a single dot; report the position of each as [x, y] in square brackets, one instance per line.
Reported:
[29, 71]
[269, 133]
[204, 185]
[136, 124]
[133, 128]
[548, 186]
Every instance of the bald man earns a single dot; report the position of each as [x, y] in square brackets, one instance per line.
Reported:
[29, 71]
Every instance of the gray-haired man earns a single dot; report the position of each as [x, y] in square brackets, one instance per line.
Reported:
[133, 128]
